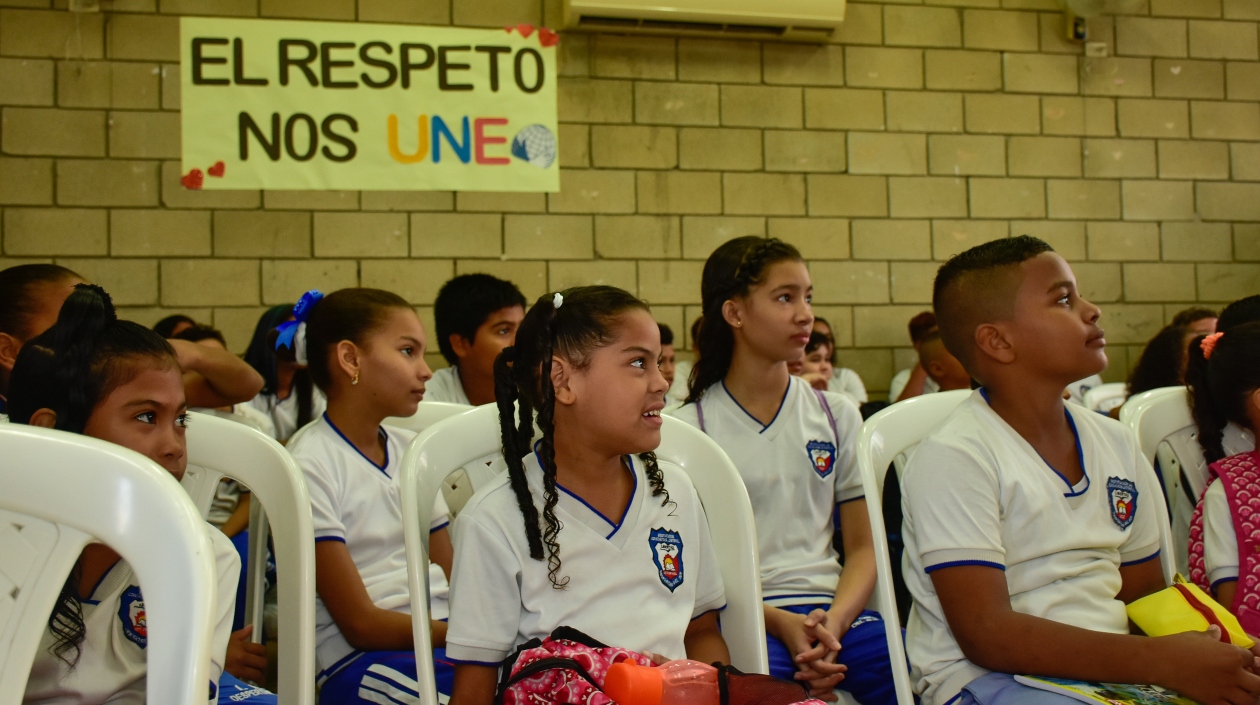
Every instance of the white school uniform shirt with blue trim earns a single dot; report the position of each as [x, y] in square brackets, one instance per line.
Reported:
[113, 659]
[284, 412]
[636, 584]
[446, 386]
[358, 503]
[976, 493]
[796, 469]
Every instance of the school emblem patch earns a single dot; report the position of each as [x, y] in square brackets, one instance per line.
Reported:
[1122, 495]
[823, 455]
[131, 613]
[667, 548]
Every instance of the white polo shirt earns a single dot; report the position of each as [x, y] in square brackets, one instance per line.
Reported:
[636, 583]
[284, 412]
[847, 382]
[902, 378]
[446, 386]
[357, 502]
[976, 493]
[797, 469]
[112, 660]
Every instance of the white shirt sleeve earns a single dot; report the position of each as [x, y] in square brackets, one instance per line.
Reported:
[227, 564]
[325, 490]
[485, 612]
[848, 424]
[710, 591]
[1220, 543]
[441, 514]
[1143, 542]
[952, 500]
[850, 384]
[898, 384]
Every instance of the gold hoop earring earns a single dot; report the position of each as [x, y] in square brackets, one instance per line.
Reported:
[356, 379]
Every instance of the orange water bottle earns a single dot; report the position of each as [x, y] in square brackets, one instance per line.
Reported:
[681, 682]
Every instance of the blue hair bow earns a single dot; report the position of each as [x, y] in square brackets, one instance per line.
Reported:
[301, 311]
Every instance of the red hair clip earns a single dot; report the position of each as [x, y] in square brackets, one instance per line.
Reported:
[1208, 344]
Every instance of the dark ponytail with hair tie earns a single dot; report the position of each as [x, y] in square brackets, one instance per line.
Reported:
[1221, 377]
[585, 320]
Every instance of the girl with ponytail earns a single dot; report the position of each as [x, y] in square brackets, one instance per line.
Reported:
[118, 381]
[364, 349]
[1224, 380]
[794, 448]
[586, 528]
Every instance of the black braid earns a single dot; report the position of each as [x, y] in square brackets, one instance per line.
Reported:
[731, 271]
[656, 478]
[505, 395]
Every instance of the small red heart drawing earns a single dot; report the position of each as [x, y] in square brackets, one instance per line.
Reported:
[192, 180]
[509, 29]
[217, 170]
[525, 29]
[547, 37]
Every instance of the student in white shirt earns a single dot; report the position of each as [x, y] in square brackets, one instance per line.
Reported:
[843, 380]
[586, 529]
[943, 369]
[476, 316]
[365, 349]
[1028, 521]
[120, 382]
[288, 396]
[914, 381]
[32, 296]
[793, 446]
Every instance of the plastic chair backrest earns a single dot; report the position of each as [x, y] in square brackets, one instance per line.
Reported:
[457, 442]
[883, 437]
[218, 448]
[1105, 397]
[63, 491]
[1167, 433]
[427, 414]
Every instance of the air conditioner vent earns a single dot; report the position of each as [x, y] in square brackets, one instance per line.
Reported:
[765, 20]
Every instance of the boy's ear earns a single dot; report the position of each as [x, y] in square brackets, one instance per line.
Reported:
[9, 347]
[44, 418]
[992, 342]
[347, 355]
[460, 345]
[561, 375]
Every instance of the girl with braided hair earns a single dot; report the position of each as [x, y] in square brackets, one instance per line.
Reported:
[118, 381]
[794, 448]
[586, 529]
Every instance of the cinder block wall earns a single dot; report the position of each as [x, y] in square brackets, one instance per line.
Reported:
[924, 129]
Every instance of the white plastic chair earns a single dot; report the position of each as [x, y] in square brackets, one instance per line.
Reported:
[63, 491]
[427, 414]
[1168, 436]
[1106, 397]
[883, 437]
[456, 442]
[219, 448]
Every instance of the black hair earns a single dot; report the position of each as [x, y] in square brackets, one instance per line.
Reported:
[585, 321]
[70, 368]
[198, 333]
[817, 340]
[1244, 310]
[263, 357]
[1221, 384]
[463, 305]
[348, 314]
[17, 295]
[830, 336]
[667, 335]
[1162, 361]
[1191, 315]
[166, 327]
[695, 329]
[921, 325]
[731, 271]
[976, 269]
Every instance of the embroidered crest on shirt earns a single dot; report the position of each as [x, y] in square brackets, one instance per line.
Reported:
[667, 547]
[131, 613]
[1122, 494]
[823, 455]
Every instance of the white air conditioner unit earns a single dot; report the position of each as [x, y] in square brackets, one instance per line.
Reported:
[769, 20]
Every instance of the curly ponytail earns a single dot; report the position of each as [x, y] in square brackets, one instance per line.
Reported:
[69, 369]
[522, 377]
[1221, 384]
[731, 271]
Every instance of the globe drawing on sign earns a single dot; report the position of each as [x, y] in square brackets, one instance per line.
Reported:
[536, 145]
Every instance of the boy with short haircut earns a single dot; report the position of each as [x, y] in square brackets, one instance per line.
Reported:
[476, 316]
[945, 371]
[1031, 523]
[914, 381]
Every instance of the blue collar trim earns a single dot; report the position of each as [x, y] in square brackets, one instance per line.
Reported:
[1080, 453]
[763, 426]
[616, 525]
[380, 432]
